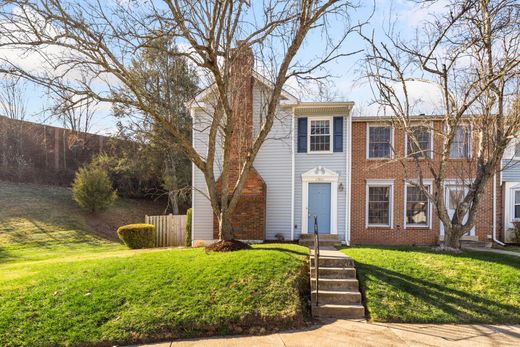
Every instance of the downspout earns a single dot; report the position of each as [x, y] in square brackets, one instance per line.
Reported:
[495, 211]
[292, 174]
[348, 188]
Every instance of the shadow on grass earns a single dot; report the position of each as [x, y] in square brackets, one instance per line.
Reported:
[279, 248]
[503, 259]
[460, 306]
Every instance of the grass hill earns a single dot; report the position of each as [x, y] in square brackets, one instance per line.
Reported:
[38, 222]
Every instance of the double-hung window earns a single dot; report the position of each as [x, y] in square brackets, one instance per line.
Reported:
[320, 135]
[379, 142]
[516, 205]
[419, 142]
[517, 149]
[417, 206]
[461, 144]
[379, 204]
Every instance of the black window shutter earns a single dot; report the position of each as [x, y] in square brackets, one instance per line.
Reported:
[338, 134]
[302, 135]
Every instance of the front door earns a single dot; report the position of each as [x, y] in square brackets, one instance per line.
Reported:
[453, 196]
[319, 206]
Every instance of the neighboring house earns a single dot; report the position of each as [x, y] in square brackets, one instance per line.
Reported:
[387, 209]
[320, 162]
[510, 182]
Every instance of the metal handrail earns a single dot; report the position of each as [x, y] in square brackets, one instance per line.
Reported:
[316, 255]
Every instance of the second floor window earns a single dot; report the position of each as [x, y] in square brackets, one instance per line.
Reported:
[460, 146]
[320, 135]
[379, 142]
[419, 142]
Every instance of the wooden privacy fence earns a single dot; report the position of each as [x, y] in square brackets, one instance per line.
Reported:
[170, 229]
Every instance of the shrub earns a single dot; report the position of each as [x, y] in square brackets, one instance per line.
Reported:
[92, 189]
[187, 232]
[137, 235]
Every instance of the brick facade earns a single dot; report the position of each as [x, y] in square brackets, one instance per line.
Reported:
[249, 218]
[364, 169]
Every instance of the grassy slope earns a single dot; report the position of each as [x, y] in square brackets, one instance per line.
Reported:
[420, 285]
[39, 222]
[131, 296]
[61, 284]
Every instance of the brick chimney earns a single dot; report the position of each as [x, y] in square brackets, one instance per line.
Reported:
[249, 218]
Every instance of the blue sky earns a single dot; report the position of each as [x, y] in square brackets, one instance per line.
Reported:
[346, 85]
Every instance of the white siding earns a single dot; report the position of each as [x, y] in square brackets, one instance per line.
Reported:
[332, 161]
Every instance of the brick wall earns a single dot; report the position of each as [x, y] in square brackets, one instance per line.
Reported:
[363, 169]
[249, 218]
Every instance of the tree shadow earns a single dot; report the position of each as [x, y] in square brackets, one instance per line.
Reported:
[503, 259]
[465, 306]
[278, 248]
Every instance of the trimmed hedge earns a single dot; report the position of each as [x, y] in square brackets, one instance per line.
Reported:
[137, 235]
[187, 232]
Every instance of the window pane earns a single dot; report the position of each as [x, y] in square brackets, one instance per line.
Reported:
[379, 205]
[320, 135]
[416, 206]
[422, 145]
[517, 212]
[379, 142]
[517, 149]
[517, 197]
[460, 144]
[455, 197]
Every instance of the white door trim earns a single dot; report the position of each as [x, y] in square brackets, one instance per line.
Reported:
[320, 174]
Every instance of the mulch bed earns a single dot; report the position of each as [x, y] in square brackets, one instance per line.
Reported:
[227, 246]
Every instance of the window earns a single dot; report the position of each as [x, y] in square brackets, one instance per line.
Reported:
[517, 149]
[320, 135]
[379, 205]
[460, 146]
[456, 195]
[379, 142]
[420, 143]
[417, 207]
[516, 212]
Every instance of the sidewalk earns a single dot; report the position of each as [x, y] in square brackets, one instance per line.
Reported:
[493, 250]
[361, 333]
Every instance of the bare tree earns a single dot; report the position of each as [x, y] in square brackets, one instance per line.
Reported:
[13, 106]
[74, 115]
[470, 54]
[100, 38]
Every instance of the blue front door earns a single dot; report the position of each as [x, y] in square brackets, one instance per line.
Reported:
[319, 206]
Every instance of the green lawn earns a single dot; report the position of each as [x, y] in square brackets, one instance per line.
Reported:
[64, 281]
[414, 284]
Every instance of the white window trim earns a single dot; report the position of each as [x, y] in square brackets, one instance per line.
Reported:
[380, 183]
[331, 134]
[429, 153]
[379, 125]
[320, 174]
[512, 204]
[470, 145]
[409, 183]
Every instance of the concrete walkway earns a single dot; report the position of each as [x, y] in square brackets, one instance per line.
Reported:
[493, 250]
[361, 333]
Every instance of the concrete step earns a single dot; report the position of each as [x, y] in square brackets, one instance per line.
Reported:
[334, 272]
[334, 261]
[346, 284]
[338, 311]
[322, 237]
[336, 297]
[323, 243]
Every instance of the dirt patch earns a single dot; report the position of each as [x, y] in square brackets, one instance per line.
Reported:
[227, 246]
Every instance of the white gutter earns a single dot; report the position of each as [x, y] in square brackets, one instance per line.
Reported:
[292, 176]
[495, 211]
[348, 194]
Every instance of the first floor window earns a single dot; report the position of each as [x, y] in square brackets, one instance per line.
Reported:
[417, 207]
[320, 134]
[379, 205]
[516, 213]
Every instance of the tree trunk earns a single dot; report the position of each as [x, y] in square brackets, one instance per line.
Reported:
[225, 229]
[452, 238]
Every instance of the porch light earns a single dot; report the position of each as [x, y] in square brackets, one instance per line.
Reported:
[340, 187]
